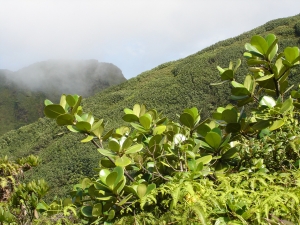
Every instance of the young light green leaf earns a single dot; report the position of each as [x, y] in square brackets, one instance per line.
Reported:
[87, 139]
[122, 161]
[146, 120]
[134, 149]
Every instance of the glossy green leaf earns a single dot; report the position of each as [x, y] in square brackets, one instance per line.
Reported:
[240, 91]
[98, 128]
[245, 101]
[205, 159]
[233, 127]
[260, 125]
[123, 161]
[206, 146]
[139, 128]
[155, 140]
[86, 183]
[252, 50]
[87, 139]
[106, 163]
[213, 139]
[130, 118]
[150, 187]
[264, 78]
[227, 75]
[179, 138]
[110, 179]
[142, 110]
[120, 171]
[153, 114]
[90, 118]
[111, 215]
[87, 211]
[48, 102]
[97, 210]
[53, 111]
[41, 207]
[249, 83]
[114, 145]
[70, 100]
[193, 111]
[276, 124]
[141, 190]
[203, 129]
[286, 106]
[124, 200]
[229, 153]
[83, 126]
[291, 53]
[146, 121]
[230, 115]
[63, 101]
[187, 120]
[159, 129]
[238, 64]
[106, 152]
[67, 202]
[65, 119]
[103, 175]
[295, 94]
[256, 62]
[221, 70]
[107, 135]
[273, 46]
[77, 109]
[192, 164]
[270, 38]
[127, 143]
[128, 111]
[239, 98]
[259, 43]
[73, 129]
[134, 149]
[267, 101]
[137, 109]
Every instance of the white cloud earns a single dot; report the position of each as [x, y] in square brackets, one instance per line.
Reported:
[134, 35]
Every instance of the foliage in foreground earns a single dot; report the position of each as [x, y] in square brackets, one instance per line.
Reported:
[233, 168]
[60, 151]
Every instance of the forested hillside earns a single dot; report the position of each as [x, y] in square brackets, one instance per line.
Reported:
[22, 93]
[170, 88]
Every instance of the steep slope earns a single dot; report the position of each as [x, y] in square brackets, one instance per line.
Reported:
[169, 88]
[22, 93]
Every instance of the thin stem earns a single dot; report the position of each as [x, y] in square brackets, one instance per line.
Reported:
[276, 87]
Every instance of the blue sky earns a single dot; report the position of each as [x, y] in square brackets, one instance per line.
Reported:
[134, 35]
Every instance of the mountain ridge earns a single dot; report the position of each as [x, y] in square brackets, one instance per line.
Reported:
[23, 92]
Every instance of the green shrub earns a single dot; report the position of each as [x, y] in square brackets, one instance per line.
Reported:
[233, 167]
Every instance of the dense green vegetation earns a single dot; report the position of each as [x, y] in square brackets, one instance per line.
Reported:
[235, 167]
[169, 88]
[22, 92]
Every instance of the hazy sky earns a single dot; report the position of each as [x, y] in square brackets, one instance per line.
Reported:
[134, 35]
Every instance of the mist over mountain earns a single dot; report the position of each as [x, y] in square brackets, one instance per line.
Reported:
[23, 92]
[54, 77]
